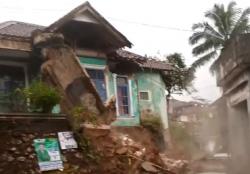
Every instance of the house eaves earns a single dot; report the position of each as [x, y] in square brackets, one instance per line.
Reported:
[122, 41]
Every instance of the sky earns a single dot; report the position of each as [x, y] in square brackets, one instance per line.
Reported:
[155, 27]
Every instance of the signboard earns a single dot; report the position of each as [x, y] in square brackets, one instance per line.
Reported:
[67, 140]
[48, 154]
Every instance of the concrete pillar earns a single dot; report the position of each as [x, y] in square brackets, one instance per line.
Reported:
[239, 146]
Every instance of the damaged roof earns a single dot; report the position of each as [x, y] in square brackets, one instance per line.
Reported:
[143, 61]
[98, 19]
[18, 29]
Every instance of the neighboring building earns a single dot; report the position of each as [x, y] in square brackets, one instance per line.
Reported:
[136, 82]
[185, 111]
[233, 76]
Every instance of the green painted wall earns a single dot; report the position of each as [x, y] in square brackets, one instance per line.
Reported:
[152, 82]
[120, 121]
[93, 61]
[142, 81]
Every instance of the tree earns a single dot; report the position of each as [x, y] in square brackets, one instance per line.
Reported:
[210, 38]
[179, 79]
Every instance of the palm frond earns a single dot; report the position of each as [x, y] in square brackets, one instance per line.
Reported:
[207, 31]
[203, 60]
[206, 46]
[212, 32]
[217, 15]
[232, 16]
[227, 22]
[196, 37]
[199, 25]
[242, 25]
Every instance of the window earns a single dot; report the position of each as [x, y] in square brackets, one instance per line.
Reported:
[144, 95]
[97, 77]
[123, 95]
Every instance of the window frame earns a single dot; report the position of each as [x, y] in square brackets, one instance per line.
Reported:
[102, 68]
[149, 95]
[130, 105]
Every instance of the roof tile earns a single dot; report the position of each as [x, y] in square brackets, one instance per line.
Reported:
[18, 29]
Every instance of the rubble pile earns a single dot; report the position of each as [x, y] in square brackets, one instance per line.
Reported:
[118, 152]
[18, 155]
[130, 150]
[177, 166]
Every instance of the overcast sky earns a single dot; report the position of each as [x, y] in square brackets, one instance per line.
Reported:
[155, 27]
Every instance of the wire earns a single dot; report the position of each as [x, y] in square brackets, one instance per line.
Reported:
[151, 25]
[112, 18]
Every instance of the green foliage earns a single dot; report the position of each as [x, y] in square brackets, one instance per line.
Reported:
[152, 122]
[79, 116]
[41, 97]
[210, 37]
[176, 60]
[82, 114]
[179, 79]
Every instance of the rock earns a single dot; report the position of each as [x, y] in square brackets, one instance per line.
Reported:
[76, 167]
[10, 158]
[21, 159]
[66, 166]
[96, 130]
[79, 155]
[122, 151]
[31, 136]
[64, 159]
[18, 142]
[17, 152]
[4, 156]
[16, 134]
[32, 171]
[29, 149]
[84, 171]
[31, 156]
[13, 149]
[25, 139]
[148, 167]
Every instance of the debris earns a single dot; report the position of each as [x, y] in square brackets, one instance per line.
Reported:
[96, 130]
[21, 159]
[10, 158]
[29, 149]
[25, 139]
[13, 149]
[121, 151]
[63, 70]
[79, 155]
[18, 142]
[147, 166]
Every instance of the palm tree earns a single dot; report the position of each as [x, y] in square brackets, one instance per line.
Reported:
[210, 38]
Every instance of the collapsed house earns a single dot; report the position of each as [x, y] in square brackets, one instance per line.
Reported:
[232, 73]
[136, 82]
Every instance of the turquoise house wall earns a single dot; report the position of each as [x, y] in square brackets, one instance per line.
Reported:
[134, 119]
[153, 82]
[142, 81]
